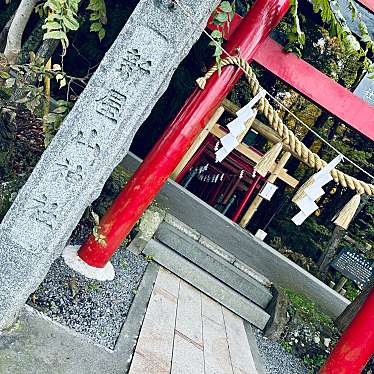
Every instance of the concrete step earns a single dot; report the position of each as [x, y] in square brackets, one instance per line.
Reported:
[214, 264]
[218, 250]
[207, 283]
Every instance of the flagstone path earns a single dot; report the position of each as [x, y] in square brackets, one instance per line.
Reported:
[185, 332]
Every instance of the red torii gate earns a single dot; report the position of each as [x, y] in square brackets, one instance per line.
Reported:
[313, 84]
[369, 4]
[164, 157]
[357, 345]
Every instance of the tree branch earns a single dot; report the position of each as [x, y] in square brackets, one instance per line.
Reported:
[14, 40]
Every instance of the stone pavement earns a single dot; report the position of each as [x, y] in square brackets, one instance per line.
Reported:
[184, 331]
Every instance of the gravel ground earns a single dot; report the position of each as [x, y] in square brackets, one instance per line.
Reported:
[276, 360]
[95, 309]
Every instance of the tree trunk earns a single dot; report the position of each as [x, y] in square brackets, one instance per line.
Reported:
[7, 139]
[4, 34]
[47, 49]
[329, 254]
[343, 321]
[14, 40]
[31, 44]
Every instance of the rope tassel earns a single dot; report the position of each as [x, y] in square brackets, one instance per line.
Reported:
[346, 215]
[268, 159]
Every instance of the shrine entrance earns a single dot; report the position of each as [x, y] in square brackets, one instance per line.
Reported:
[222, 185]
[231, 186]
[188, 151]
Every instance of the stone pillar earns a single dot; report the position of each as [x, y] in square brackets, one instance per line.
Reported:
[93, 139]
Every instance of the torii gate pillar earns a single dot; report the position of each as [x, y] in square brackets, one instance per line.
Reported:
[147, 181]
[356, 346]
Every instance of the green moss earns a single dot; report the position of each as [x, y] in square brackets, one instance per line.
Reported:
[307, 309]
[310, 334]
[286, 346]
[315, 361]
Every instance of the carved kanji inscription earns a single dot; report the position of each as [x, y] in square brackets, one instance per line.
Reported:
[44, 211]
[70, 171]
[134, 65]
[111, 105]
[89, 141]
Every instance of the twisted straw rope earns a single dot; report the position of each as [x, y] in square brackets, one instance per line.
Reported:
[298, 149]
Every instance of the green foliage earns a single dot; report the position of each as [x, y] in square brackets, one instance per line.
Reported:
[314, 361]
[98, 17]
[331, 15]
[351, 290]
[123, 263]
[17, 80]
[52, 120]
[360, 48]
[286, 345]
[92, 286]
[23, 86]
[296, 37]
[222, 17]
[61, 18]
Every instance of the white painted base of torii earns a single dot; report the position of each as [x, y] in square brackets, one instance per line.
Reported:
[71, 258]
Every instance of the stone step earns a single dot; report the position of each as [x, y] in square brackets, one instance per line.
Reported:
[206, 283]
[215, 248]
[214, 264]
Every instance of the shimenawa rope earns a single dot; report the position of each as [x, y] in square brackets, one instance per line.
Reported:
[298, 149]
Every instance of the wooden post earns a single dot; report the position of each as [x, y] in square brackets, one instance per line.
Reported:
[197, 143]
[258, 199]
[333, 244]
[329, 254]
[231, 190]
[346, 317]
[246, 198]
[341, 284]
[47, 92]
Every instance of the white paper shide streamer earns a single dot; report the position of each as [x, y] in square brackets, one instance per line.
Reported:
[314, 191]
[236, 127]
